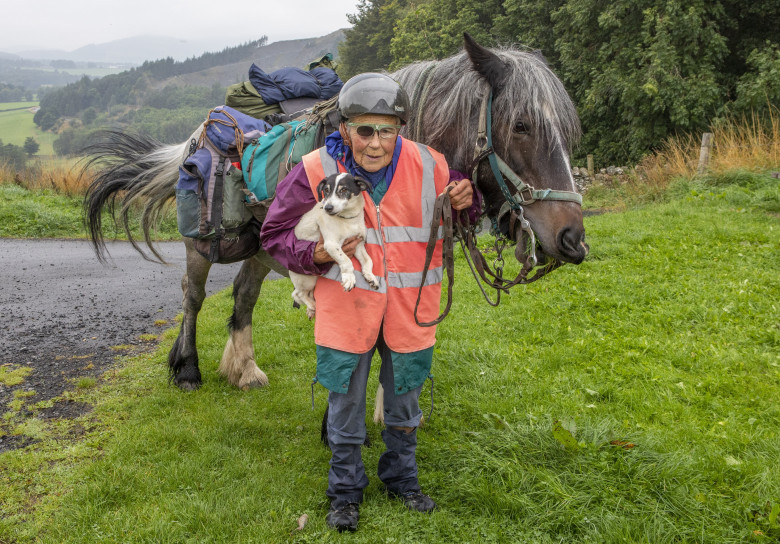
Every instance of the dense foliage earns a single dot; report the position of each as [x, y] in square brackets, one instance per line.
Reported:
[13, 156]
[13, 93]
[638, 70]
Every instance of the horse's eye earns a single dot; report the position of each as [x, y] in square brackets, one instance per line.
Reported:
[520, 128]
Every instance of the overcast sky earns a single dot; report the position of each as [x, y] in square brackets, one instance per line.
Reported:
[70, 24]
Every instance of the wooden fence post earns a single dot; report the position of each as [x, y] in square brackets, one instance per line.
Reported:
[591, 172]
[704, 154]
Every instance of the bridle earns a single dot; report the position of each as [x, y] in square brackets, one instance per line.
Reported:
[519, 195]
[514, 201]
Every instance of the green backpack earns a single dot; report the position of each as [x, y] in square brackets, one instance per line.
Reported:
[268, 159]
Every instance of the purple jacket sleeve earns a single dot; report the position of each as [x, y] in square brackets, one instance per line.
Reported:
[293, 199]
[475, 210]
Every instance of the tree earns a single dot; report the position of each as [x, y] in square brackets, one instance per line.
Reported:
[89, 115]
[434, 29]
[367, 44]
[12, 155]
[758, 89]
[529, 22]
[30, 146]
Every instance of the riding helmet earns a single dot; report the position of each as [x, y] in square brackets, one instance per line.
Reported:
[373, 93]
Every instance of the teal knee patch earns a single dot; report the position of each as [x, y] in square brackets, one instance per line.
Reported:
[335, 368]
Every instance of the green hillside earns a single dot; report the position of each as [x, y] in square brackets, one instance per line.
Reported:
[16, 124]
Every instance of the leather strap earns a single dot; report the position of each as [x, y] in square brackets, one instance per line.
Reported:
[442, 211]
[216, 208]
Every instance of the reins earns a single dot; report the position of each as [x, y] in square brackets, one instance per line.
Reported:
[514, 201]
[442, 211]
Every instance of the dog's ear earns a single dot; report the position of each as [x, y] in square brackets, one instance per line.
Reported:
[362, 184]
[320, 189]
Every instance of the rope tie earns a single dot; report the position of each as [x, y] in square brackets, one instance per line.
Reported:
[238, 133]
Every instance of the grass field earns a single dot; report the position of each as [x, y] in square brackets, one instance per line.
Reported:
[17, 125]
[50, 214]
[6, 106]
[659, 357]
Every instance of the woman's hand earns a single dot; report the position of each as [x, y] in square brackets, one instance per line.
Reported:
[321, 256]
[461, 194]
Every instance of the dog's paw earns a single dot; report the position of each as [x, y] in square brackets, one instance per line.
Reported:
[310, 313]
[348, 281]
[371, 279]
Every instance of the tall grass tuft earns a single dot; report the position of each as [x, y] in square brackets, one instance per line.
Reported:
[61, 178]
[739, 143]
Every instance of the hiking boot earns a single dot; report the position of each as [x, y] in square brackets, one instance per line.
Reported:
[343, 518]
[415, 500]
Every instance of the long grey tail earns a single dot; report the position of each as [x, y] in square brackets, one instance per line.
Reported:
[134, 175]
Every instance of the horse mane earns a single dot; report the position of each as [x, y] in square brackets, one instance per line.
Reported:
[530, 91]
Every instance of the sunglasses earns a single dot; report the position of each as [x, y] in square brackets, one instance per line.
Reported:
[365, 130]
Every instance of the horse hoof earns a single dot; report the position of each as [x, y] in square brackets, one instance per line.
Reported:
[254, 378]
[187, 385]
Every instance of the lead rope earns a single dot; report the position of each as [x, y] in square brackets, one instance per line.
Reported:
[442, 212]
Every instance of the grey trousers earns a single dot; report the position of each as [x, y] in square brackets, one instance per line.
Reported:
[397, 467]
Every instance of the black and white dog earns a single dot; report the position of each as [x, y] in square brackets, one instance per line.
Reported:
[337, 216]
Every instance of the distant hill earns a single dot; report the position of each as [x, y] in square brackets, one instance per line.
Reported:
[268, 57]
[48, 68]
[179, 92]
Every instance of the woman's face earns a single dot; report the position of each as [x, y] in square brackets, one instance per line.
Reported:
[371, 153]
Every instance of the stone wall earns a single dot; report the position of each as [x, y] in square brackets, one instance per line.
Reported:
[612, 176]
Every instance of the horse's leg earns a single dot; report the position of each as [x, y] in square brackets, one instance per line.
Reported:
[238, 360]
[183, 357]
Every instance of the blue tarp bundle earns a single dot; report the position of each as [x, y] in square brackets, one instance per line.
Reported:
[286, 83]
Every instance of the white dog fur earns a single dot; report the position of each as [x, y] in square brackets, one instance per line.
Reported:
[337, 216]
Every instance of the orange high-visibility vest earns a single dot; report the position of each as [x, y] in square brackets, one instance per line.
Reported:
[397, 235]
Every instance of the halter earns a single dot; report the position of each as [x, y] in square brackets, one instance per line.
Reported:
[513, 203]
[524, 194]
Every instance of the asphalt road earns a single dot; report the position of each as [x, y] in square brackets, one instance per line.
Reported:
[61, 310]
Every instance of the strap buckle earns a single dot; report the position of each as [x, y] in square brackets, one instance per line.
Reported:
[526, 195]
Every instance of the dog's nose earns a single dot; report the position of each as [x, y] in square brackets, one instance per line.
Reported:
[329, 208]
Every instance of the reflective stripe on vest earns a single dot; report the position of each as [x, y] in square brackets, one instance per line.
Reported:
[397, 249]
[398, 234]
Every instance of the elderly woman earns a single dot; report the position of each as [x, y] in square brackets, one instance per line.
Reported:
[405, 179]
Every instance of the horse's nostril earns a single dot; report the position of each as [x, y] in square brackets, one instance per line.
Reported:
[571, 244]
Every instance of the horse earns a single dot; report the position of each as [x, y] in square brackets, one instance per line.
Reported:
[535, 125]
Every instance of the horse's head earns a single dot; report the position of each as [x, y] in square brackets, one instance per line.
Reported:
[534, 123]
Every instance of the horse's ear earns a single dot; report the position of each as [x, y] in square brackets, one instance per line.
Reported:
[486, 63]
